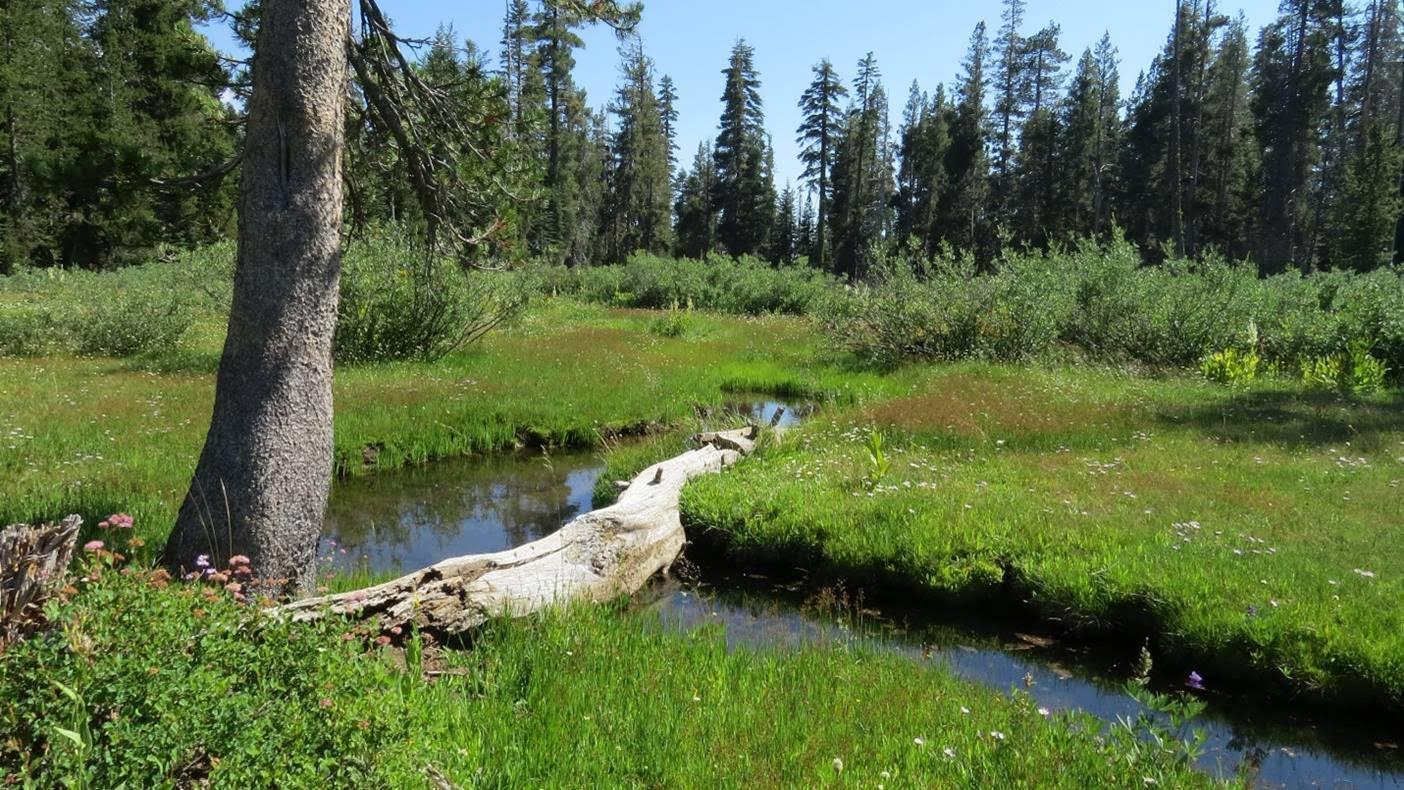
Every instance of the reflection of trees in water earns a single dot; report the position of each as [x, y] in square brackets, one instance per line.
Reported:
[482, 504]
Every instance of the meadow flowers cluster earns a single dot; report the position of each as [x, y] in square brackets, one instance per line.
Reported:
[237, 573]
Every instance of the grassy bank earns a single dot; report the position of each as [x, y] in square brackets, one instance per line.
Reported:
[591, 697]
[1248, 535]
[98, 436]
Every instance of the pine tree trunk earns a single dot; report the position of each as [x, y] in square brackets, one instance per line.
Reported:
[261, 485]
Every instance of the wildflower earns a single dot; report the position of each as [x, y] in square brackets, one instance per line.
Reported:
[838, 765]
[382, 641]
[325, 702]
[1045, 712]
[964, 710]
[997, 735]
[1366, 574]
[191, 576]
[202, 561]
[93, 545]
[1195, 681]
[238, 560]
[919, 741]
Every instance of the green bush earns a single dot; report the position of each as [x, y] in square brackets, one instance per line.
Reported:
[138, 316]
[1236, 369]
[745, 286]
[399, 303]
[28, 331]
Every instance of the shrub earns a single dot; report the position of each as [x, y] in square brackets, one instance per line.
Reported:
[397, 302]
[28, 331]
[745, 286]
[674, 323]
[1361, 372]
[137, 316]
[1237, 369]
[949, 313]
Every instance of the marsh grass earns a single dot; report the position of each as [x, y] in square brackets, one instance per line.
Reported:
[99, 436]
[1248, 535]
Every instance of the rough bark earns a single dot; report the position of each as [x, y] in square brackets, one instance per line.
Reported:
[261, 485]
[32, 565]
[598, 556]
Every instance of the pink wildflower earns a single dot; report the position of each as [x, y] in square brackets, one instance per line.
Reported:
[93, 545]
[237, 560]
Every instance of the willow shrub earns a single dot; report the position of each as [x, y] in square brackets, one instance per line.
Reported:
[1104, 301]
[399, 302]
[744, 286]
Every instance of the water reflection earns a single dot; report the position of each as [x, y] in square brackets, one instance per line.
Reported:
[407, 520]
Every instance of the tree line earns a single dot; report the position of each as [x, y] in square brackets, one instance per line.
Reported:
[1283, 147]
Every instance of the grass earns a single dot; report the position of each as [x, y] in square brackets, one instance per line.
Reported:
[98, 436]
[1250, 536]
[593, 696]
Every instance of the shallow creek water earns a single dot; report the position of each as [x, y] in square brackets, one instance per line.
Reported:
[406, 520]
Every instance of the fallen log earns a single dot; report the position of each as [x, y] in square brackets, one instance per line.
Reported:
[596, 557]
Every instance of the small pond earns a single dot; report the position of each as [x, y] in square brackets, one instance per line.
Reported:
[393, 523]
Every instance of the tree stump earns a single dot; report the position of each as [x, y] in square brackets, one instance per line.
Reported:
[33, 561]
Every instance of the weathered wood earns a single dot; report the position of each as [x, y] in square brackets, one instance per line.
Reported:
[33, 561]
[597, 556]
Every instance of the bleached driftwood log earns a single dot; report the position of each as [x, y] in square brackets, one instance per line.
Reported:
[597, 556]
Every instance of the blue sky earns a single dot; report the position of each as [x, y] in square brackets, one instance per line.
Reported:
[912, 39]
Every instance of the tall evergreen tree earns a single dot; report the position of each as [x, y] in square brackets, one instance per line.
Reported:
[1089, 138]
[668, 115]
[1012, 92]
[784, 242]
[1227, 201]
[695, 214]
[1292, 74]
[637, 211]
[745, 191]
[1035, 178]
[965, 208]
[818, 136]
[862, 175]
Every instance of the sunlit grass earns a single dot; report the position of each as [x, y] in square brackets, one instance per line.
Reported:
[97, 436]
[590, 697]
[1252, 534]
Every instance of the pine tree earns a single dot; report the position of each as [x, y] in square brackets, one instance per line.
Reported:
[1013, 91]
[1089, 138]
[152, 121]
[965, 208]
[637, 211]
[1291, 76]
[804, 228]
[1227, 203]
[696, 218]
[785, 239]
[818, 135]
[862, 174]
[1035, 176]
[745, 192]
[668, 115]
[41, 77]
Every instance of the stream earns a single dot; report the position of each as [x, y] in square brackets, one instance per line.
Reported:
[398, 522]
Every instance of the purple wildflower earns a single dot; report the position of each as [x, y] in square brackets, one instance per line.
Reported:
[1195, 681]
[202, 561]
